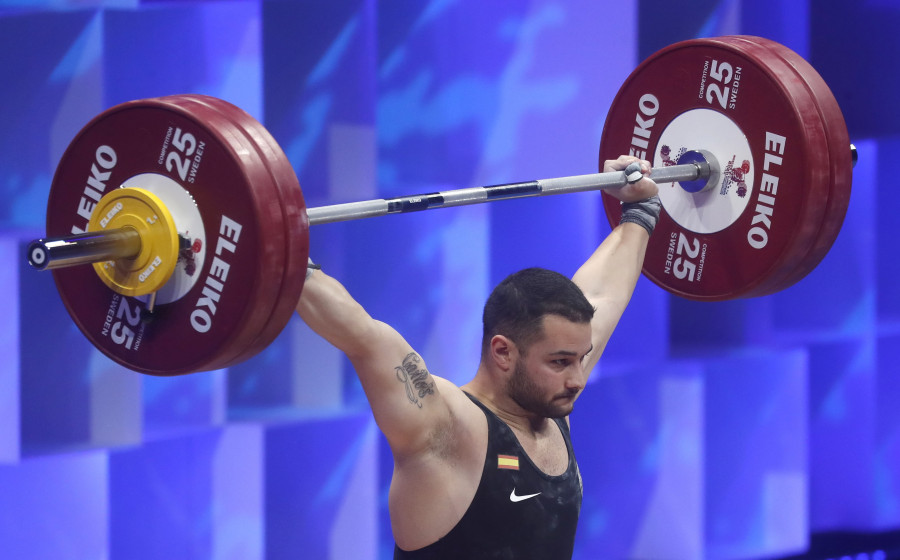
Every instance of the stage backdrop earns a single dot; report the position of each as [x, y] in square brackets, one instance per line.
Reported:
[727, 430]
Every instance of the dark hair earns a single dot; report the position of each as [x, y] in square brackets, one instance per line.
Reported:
[517, 306]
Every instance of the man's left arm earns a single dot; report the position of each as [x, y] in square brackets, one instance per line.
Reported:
[609, 276]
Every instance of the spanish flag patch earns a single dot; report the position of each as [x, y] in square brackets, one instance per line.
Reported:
[508, 462]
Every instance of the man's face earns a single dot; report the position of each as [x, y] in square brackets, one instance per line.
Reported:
[548, 376]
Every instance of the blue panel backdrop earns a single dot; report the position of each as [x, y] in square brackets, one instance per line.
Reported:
[739, 429]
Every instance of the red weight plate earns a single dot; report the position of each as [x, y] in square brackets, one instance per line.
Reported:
[296, 222]
[841, 168]
[222, 284]
[740, 238]
[265, 193]
[267, 196]
[816, 192]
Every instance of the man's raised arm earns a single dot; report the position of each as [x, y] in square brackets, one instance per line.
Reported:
[609, 276]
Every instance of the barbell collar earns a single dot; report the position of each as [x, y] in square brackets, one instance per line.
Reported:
[477, 195]
[84, 248]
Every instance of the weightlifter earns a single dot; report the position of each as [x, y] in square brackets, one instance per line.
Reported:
[487, 470]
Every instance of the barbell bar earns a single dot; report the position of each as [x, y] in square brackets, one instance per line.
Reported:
[752, 214]
[125, 243]
[702, 170]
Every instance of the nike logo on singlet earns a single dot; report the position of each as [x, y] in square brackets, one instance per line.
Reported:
[514, 498]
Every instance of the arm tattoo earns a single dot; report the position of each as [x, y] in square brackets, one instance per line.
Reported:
[417, 380]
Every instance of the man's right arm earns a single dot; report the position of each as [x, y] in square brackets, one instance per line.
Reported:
[406, 399]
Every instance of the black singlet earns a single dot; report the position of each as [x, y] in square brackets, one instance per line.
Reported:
[518, 512]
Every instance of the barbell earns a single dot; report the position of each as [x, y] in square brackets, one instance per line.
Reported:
[197, 232]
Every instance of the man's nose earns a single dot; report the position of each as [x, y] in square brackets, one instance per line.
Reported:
[575, 382]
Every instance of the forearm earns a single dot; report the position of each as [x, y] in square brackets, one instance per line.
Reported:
[613, 269]
[329, 310]
[611, 273]
[609, 276]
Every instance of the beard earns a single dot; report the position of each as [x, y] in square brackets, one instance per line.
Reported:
[522, 389]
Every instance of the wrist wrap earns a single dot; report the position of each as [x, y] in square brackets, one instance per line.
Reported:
[645, 213]
[310, 266]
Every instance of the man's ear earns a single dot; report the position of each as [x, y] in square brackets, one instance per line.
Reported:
[503, 352]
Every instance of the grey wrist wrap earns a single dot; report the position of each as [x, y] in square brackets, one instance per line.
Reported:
[310, 266]
[645, 213]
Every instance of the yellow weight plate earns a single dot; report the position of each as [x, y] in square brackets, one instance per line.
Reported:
[144, 212]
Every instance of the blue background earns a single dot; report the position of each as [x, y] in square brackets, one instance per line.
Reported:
[740, 429]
